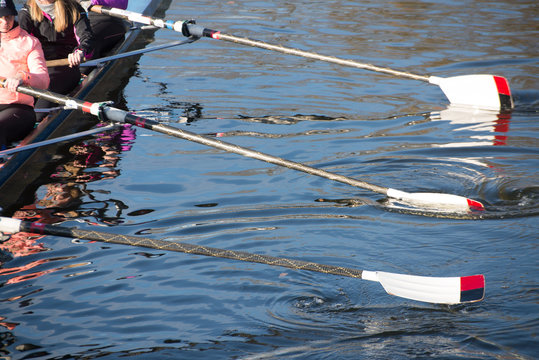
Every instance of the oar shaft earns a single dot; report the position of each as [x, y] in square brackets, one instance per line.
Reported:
[310, 55]
[187, 248]
[95, 62]
[218, 144]
[440, 290]
[117, 115]
[187, 28]
[478, 91]
[57, 140]
[59, 62]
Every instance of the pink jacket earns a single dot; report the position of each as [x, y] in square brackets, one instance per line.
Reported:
[21, 55]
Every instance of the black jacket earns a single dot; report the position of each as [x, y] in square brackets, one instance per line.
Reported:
[58, 45]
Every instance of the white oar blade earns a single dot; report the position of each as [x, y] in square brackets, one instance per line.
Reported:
[437, 290]
[437, 201]
[481, 91]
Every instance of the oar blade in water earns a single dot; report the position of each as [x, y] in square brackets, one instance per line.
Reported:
[480, 91]
[439, 290]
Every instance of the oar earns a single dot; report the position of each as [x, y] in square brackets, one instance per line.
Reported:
[481, 91]
[57, 140]
[95, 62]
[437, 201]
[438, 290]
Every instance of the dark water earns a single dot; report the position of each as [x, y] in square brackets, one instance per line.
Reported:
[91, 300]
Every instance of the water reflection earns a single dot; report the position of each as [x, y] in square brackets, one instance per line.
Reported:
[22, 244]
[288, 120]
[36, 274]
[97, 158]
[91, 160]
[179, 306]
[492, 126]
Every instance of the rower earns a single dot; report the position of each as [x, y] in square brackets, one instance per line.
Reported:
[21, 62]
[108, 30]
[63, 28]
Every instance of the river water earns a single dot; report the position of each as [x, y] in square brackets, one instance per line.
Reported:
[73, 299]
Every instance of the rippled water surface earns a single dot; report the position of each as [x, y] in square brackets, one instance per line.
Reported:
[73, 299]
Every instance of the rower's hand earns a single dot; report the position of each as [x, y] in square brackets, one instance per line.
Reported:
[75, 58]
[12, 83]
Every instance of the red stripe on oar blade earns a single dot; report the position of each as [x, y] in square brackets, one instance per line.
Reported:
[504, 93]
[472, 288]
[472, 282]
[475, 205]
[502, 85]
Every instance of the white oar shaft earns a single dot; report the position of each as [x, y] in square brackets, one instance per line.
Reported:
[122, 116]
[95, 62]
[137, 52]
[315, 56]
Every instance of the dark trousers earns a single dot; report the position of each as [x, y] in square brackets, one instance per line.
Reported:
[108, 31]
[16, 121]
[63, 80]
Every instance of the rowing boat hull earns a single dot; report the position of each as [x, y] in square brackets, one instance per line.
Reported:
[27, 170]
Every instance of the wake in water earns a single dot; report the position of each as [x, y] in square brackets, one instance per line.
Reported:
[484, 135]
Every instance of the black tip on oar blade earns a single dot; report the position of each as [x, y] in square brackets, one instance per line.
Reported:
[472, 288]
